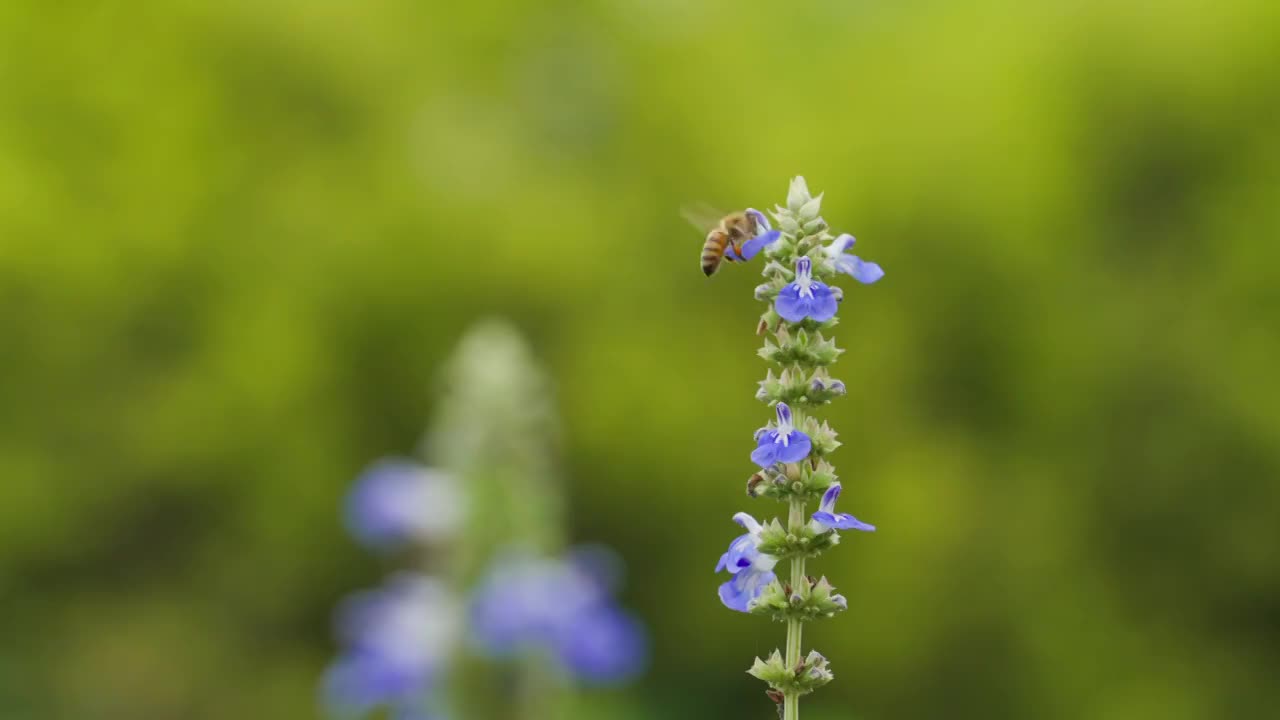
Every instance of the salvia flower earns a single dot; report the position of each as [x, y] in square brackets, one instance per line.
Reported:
[397, 502]
[806, 297]
[751, 569]
[765, 236]
[828, 519]
[861, 270]
[782, 443]
[564, 609]
[396, 640]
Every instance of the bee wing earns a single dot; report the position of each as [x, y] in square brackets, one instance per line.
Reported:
[702, 216]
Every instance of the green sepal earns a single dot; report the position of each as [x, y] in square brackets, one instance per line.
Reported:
[772, 535]
[766, 483]
[768, 321]
[811, 209]
[814, 226]
[797, 193]
[773, 671]
[823, 437]
[817, 600]
[816, 477]
[808, 675]
[812, 673]
[813, 325]
[778, 272]
[787, 223]
[807, 479]
[791, 386]
[779, 482]
[814, 351]
[806, 541]
[766, 292]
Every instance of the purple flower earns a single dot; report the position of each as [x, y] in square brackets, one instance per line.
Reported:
[782, 444]
[396, 501]
[857, 268]
[828, 519]
[765, 237]
[605, 645]
[751, 569]
[806, 297]
[541, 605]
[396, 640]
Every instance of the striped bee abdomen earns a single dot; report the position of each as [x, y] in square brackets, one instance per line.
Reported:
[713, 251]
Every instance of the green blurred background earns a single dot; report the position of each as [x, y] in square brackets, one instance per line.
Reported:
[238, 239]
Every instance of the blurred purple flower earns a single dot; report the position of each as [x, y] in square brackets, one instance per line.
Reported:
[565, 608]
[604, 646]
[751, 569]
[396, 501]
[396, 639]
[852, 265]
[828, 519]
[782, 444]
[806, 297]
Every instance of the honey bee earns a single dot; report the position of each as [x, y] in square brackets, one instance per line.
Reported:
[726, 235]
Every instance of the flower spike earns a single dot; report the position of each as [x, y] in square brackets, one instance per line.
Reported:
[802, 262]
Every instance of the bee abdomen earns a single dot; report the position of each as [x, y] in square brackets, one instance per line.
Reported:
[713, 251]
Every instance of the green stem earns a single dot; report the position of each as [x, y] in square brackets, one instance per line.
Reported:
[796, 520]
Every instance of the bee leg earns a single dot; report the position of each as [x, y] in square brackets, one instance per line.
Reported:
[733, 251]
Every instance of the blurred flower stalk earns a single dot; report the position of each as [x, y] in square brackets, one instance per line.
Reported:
[491, 616]
[791, 452]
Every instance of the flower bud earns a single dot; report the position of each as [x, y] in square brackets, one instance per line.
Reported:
[797, 194]
[809, 211]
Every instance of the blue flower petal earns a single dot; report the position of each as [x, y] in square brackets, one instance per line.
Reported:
[841, 244]
[824, 304]
[739, 554]
[861, 270]
[766, 454]
[825, 519]
[753, 246]
[784, 414]
[841, 521]
[804, 268]
[738, 593]
[732, 597]
[797, 448]
[830, 496]
[789, 305]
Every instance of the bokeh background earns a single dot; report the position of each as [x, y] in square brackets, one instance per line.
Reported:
[238, 239]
